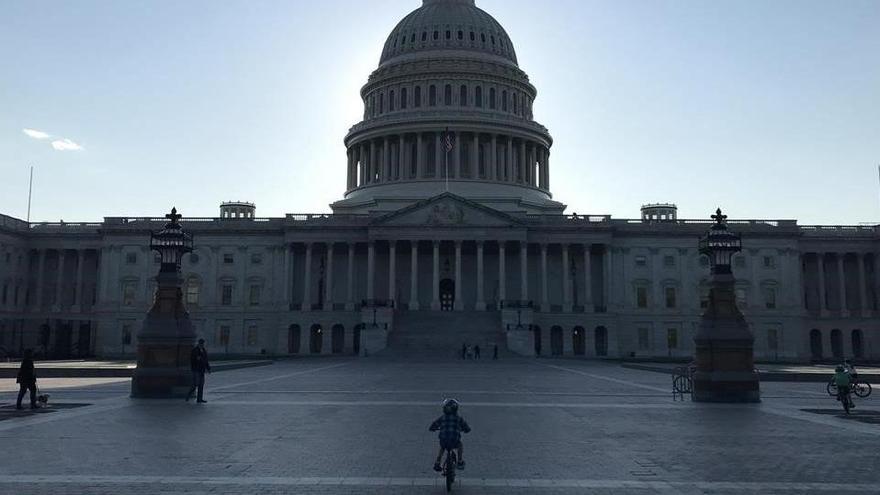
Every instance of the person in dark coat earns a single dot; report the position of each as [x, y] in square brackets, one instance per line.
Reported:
[476, 352]
[463, 351]
[495, 352]
[198, 362]
[27, 379]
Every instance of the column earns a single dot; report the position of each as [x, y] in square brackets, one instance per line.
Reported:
[524, 270]
[414, 276]
[328, 286]
[493, 159]
[475, 157]
[864, 305]
[566, 280]
[823, 299]
[521, 162]
[371, 270]
[401, 158]
[439, 157]
[459, 303]
[288, 277]
[545, 299]
[508, 161]
[307, 280]
[841, 283]
[547, 169]
[59, 293]
[533, 157]
[420, 156]
[374, 162]
[349, 303]
[435, 300]
[77, 290]
[392, 272]
[608, 264]
[351, 169]
[481, 296]
[502, 275]
[362, 151]
[588, 279]
[456, 155]
[386, 160]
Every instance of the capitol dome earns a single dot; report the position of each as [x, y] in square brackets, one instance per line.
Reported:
[448, 110]
[449, 25]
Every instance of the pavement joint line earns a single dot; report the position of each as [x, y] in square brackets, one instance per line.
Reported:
[796, 413]
[607, 378]
[280, 377]
[537, 484]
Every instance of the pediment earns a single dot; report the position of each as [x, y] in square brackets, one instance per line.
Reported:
[447, 210]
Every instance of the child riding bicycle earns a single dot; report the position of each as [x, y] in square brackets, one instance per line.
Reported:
[450, 426]
[842, 379]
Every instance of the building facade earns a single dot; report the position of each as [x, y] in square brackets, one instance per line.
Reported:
[447, 216]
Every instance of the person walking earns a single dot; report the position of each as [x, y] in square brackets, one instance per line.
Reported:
[476, 352]
[198, 362]
[463, 351]
[27, 379]
[495, 353]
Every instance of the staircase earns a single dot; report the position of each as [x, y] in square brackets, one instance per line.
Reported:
[441, 334]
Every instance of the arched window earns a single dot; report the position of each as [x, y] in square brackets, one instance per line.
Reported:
[460, 35]
[403, 95]
[337, 339]
[316, 339]
[391, 101]
[556, 344]
[448, 34]
[412, 39]
[478, 97]
[579, 341]
[417, 100]
[424, 36]
[436, 35]
[483, 37]
[515, 104]
[601, 340]
[447, 96]
[293, 339]
[492, 98]
[372, 105]
[504, 101]
[432, 96]
[473, 36]
[463, 96]
[381, 103]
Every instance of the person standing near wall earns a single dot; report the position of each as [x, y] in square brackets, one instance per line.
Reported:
[27, 379]
[198, 361]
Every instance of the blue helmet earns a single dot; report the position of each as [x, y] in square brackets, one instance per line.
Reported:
[450, 406]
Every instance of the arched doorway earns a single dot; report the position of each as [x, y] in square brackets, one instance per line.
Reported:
[337, 339]
[579, 341]
[601, 334]
[356, 339]
[447, 294]
[837, 344]
[556, 338]
[816, 345]
[858, 344]
[537, 336]
[293, 339]
[316, 339]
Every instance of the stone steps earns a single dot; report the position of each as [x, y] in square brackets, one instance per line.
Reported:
[441, 334]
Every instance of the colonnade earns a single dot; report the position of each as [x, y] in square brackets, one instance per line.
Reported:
[38, 292]
[474, 155]
[866, 301]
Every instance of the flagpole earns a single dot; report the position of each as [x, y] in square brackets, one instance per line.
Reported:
[30, 193]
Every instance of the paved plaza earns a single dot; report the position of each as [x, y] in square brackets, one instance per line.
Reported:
[360, 426]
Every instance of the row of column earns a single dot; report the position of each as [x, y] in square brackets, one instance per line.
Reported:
[839, 258]
[405, 157]
[41, 275]
[328, 305]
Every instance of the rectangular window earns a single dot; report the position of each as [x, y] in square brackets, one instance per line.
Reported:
[126, 334]
[129, 291]
[257, 259]
[672, 338]
[641, 261]
[642, 297]
[772, 339]
[227, 295]
[769, 262]
[252, 335]
[192, 293]
[741, 298]
[770, 297]
[644, 339]
[223, 335]
[131, 258]
[669, 261]
[255, 293]
[670, 297]
[228, 258]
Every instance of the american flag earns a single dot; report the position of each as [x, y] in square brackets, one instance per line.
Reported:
[449, 140]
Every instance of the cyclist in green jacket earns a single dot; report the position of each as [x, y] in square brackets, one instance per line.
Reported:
[843, 380]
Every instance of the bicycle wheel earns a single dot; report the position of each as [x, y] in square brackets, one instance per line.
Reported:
[450, 470]
[832, 389]
[862, 390]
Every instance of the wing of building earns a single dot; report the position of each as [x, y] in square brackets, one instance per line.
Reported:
[448, 234]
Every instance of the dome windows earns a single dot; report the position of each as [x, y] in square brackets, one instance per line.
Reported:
[432, 96]
[417, 97]
[504, 101]
[403, 96]
[424, 36]
[463, 96]
[460, 35]
[448, 34]
[391, 101]
[436, 35]
[478, 97]
[473, 37]
[491, 98]
[412, 38]
[447, 95]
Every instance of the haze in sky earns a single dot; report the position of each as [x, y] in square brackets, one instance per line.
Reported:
[768, 109]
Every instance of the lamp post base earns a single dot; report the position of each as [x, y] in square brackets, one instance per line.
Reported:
[727, 387]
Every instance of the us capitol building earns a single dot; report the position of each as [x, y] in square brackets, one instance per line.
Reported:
[447, 233]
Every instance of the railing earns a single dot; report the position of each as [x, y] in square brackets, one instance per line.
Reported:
[683, 381]
[516, 304]
[377, 303]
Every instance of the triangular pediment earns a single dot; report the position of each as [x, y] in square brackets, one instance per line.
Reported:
[447, 210]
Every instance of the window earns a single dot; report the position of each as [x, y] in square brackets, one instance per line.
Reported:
[770, 297]
[252, 335]
[769, 262]
[403, 97]
[432, 96]
[478, 97]
[672, 338]
[256, 259]
[131, 258]
[644, 339]
[228, 258]
[671, 303]
[192, 292]
[391, 101]
[772, 339]
[227, 295]
[461, 35]
[473, 36]
[463, 96]
[223, 335]
[381, 103]
[424, 36]
[129, 291]
[417, 102]
[447, 96]
[126, 334]
[515, 103]
[492, 98]
[642, 297]
[504, 101]
[641, 261]
[448, 34]
[669, 261]
[436, 35]
[255, 292]
[741, 297]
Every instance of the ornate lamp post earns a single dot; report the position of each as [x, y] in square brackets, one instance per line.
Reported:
[724, 345]
[166, 339]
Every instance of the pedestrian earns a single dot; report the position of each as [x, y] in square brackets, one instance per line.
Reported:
[470, 353]
[198, 363]
[463, 351]
[495, 353]
[476, 352]
[27, 379]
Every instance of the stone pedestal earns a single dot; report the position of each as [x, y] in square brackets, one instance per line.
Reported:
[373, 340]
[521, 342]
[725, 349]
[164, 345]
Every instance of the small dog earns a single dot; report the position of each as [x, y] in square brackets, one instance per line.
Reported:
[43, 400]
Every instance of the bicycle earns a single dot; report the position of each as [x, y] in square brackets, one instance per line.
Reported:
[861, 390]
[449, 468]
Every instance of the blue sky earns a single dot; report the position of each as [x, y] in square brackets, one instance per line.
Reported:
[770, 109]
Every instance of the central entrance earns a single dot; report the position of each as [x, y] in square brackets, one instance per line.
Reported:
[447, 294]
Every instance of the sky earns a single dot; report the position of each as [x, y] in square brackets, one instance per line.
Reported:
[769, 109]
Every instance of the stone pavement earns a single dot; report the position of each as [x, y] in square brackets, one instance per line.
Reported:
[107, 369]
[329, 426]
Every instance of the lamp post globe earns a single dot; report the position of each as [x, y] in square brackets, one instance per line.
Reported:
[171, 243]
[720, 245]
